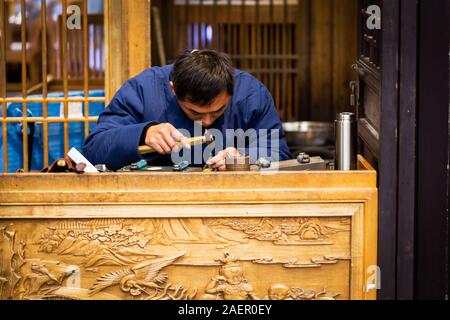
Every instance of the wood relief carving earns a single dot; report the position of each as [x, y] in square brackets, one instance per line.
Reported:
[293, 263]
[98, 243]
[231, 283]
[283, 292]
[24, 278]
[174, 259]
[298, 231]
[246, 235]
[144, 278]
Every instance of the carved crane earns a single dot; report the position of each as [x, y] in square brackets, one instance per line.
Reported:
[134, 280]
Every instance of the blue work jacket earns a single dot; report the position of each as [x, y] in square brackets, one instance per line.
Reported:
[147, 99]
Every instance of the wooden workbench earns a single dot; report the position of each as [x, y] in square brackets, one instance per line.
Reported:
[274, 235]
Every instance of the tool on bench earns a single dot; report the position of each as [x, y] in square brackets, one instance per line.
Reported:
[182, 166]
[139, 165]
[303, 158]
[263, 163]
[305, 163]
[206, 139]
[101, 168]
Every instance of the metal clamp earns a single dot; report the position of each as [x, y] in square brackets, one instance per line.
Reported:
[303, 158]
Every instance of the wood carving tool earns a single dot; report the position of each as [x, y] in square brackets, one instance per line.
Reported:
[206, 139]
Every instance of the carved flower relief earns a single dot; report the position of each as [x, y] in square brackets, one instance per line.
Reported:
[125, 233]
[115, 235]
[113, 229]
[118, 235]
[138, 240]
[96, 233]
[100, 235]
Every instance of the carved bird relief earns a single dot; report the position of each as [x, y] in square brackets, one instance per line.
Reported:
[134, 280]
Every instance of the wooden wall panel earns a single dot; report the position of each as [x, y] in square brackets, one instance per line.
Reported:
[344, 53]
[303, 43]
[127, 41]
[321, 60]
[333, 50]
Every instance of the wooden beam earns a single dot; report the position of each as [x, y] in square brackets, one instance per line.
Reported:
[407, 159]
[344, 53]
[389, 150]
[127, 41]
[321, 60]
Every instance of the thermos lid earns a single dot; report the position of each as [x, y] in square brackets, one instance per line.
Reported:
[346, 116]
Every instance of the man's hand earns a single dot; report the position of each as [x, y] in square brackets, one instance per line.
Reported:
[218, 162]
[165, 139]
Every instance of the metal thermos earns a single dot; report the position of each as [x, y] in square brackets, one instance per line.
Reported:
[346, 141]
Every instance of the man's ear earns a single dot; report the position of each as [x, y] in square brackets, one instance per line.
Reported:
[172, 88]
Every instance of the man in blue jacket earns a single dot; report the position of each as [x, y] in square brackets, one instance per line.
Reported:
[163, 106]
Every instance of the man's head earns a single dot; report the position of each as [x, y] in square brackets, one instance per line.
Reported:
[203, 81]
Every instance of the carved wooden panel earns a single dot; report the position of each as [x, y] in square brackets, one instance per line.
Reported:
[232, 235]
[314, 252]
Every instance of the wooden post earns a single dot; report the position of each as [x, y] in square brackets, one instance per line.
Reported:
[127, 41]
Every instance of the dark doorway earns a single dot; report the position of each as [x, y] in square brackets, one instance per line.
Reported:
[403, 127]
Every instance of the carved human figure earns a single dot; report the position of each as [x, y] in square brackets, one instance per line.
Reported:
[231, 283]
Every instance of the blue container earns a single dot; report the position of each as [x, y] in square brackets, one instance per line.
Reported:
[15, 145]
[55, 131]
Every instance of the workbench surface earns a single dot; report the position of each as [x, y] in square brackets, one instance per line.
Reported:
[159, 235]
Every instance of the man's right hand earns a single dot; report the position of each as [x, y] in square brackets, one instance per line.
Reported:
[165, 139]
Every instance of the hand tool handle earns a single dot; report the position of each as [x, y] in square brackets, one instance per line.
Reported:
[146, 150]
[192, 141]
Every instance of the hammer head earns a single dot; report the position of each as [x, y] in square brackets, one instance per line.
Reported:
[209, 138]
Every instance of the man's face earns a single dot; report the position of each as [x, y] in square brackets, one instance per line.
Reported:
[206, 114]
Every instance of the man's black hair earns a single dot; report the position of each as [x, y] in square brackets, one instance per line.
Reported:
[201, 76]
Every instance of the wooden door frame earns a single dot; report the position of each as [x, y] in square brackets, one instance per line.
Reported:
[388, 157]
[414, 150]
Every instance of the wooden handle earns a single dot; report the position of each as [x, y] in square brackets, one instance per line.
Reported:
[192, 141]
[146, 150]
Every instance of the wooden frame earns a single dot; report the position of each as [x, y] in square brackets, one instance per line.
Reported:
[407, 176]
[388, 170]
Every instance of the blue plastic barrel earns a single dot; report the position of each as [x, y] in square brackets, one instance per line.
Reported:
[55, 131]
